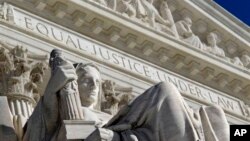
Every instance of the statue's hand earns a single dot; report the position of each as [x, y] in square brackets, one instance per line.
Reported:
[102, 134]
[62, 75]
[106, 134]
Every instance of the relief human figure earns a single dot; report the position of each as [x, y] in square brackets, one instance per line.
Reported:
[237, 61]
[159, 114]
[186, 34]
[6, 12]
[167, 15]
[245, 58]
[212, 40]
[128, 7]
[152, 15]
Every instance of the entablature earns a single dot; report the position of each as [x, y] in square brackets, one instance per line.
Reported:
[140, 39]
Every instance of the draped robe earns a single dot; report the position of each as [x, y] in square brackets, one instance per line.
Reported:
[161, 114]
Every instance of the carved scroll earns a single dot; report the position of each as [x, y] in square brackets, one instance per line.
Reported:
[69, 99]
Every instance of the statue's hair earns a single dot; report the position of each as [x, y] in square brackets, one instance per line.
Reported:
[81, 67]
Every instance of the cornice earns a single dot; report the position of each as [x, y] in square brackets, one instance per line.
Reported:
[224, 17]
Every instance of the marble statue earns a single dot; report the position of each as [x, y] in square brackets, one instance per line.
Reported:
[212, 40]
[6, 12]
[152, 15]
[69, 105]
[146, 12]
[128, 7]
[186, 34]
[237, 61]
[245, 60]
[45, 122]
[167, 16]
[112, 4]
[159, 114]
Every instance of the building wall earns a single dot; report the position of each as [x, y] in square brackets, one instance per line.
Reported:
[135, 62]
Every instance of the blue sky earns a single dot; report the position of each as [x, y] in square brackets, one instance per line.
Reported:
[239, 8]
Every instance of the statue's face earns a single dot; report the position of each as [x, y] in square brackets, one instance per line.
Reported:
[89, 85]
[188, 21]
[212, 39]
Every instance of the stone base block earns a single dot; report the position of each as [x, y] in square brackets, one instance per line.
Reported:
[74, 130]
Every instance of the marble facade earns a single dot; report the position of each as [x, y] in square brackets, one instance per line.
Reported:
[135, 44]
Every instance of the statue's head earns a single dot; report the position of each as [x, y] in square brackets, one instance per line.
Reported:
[188, 20]
[89, 85]
[212, 39]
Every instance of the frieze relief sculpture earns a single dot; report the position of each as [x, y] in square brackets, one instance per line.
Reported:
[212, 47]
[131, 7]
[159, 17]
[20, 77]
[236, 61]
[159, 114]
[115, 97]
[168, 17]
[186, 34]
[145, 11]
[6, 12]
[245, 60]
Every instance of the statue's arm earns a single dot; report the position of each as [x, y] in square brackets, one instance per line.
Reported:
[62, 75]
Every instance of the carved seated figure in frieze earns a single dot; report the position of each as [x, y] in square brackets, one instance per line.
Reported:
[130, 7]
[236, 61]
[212, 47]
[167, 15]
[159, 114]
[6, 12]
[186, 34]
[245, 60]
[152, 15]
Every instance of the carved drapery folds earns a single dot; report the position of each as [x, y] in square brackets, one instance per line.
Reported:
[19, 80]
[115, 97]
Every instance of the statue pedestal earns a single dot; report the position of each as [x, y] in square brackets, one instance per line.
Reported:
[76, 130]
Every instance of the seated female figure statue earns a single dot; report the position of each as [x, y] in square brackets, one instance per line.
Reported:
[159, 114]
[45, 122]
